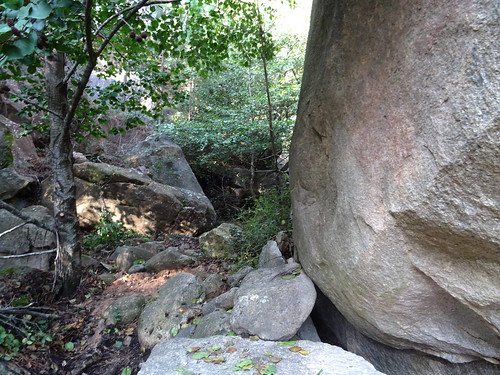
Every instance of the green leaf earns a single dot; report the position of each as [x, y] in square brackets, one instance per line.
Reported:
[244, 364]
[200, 355]
[269, 370]
[174, 331]
[12, 52]
[69, 346]
[13, 4]
[287, 343]
[126, 371]
[118, 344]
[40, 10]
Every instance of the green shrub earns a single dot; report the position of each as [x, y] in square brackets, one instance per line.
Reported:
[9, 345]
[107, 232]
[267, 216]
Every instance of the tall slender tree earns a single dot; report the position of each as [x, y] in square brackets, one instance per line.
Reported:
[63, 42]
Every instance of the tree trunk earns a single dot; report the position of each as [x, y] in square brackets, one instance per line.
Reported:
[67, 265]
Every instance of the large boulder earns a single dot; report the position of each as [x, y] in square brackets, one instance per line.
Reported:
[140, 203]
[13, 183]
[273, 303]
[165, 162]
[174, 305]
[222, 355]
[27, 239]
[394, 174]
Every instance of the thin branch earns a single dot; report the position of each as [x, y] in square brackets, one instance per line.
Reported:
[88, 28]
[12, 229]
[23, 310]
[34, 104]
[28, 254]
[123, 11]
[29, 220]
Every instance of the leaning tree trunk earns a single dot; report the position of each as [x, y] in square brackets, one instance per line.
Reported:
[67, 265]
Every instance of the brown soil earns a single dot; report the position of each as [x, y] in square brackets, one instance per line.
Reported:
[97, 349]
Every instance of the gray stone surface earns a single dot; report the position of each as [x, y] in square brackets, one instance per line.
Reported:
[26, 239]
[136, 268]
[173, 357]
[137, 201]
[168, 259]
[308, 331]
[271, 307]
[225, 301]
[124, 309]
[271, 256]
[165, 162]
[235, 278]
[176, 303]
[213, 324]
[394, 172]
[219, 242]
[153, 246]
[125, 256]
[333, 327]
[12, 183]
[214, 285]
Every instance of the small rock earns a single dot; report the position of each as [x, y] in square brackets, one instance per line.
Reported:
[225, 301]
[215, 323]
[153, 247]
[124, 309]
[125, 256]
[176, 304]
[235, 279]
[219, 242]
[308, 331]
[168, 259]
[213, 285]
[108, 278]
[271, 256]
[136, 268]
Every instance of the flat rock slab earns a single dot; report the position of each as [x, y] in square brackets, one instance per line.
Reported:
[225, 355]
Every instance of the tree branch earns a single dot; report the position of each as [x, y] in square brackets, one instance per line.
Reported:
[36, 105]
[12, 229]
[26, 218]
[28, 254]
[88, 28]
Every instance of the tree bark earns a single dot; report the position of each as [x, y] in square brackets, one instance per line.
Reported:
[67, 265]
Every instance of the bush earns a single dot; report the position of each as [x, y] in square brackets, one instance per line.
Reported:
[108, 233]
[267, 216]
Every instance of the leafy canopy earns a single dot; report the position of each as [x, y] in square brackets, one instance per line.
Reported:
[150, 42]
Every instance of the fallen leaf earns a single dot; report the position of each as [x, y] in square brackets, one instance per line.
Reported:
[216, 360]
[194, 349]
[273, 359]
[287, 343]
[304, 352]
[295, 349]
[200, 355]
[232, 349]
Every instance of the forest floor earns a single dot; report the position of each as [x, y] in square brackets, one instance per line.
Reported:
[80, 341]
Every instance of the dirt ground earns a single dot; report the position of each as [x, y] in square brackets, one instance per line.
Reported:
[81, 341]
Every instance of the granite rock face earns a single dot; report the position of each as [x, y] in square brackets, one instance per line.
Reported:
[394, 172]
[174, 356]
[137, 201]
[273, 303]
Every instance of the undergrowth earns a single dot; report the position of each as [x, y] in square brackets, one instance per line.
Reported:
[108, 233]
[265, 217]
